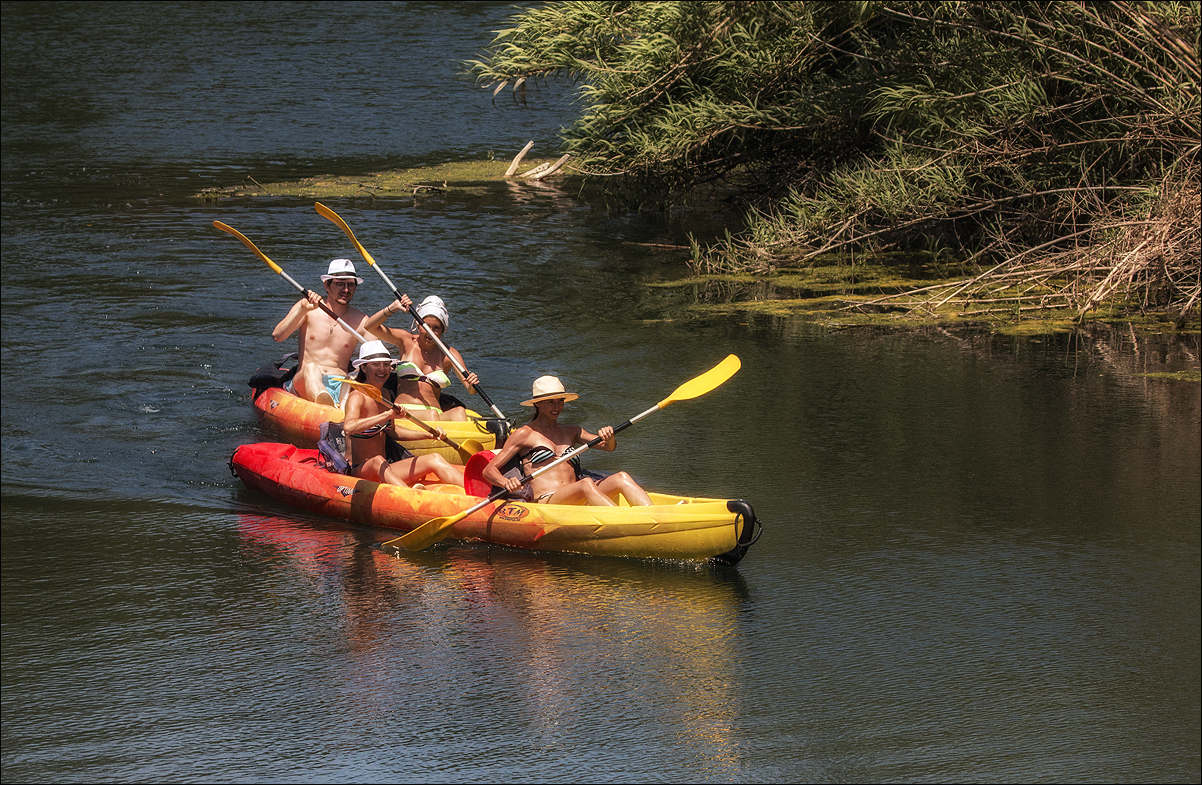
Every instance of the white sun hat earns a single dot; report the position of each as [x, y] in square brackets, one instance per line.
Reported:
[372, 352]
[434, 306]
[341, 270]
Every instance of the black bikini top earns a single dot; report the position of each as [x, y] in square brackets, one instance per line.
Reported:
[537, 455]
[371, 432]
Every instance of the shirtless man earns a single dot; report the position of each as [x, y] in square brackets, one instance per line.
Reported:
[422, 372]
[542, 440]
[368, 421]
[326, 347]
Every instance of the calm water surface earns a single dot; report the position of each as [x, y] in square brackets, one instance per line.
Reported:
[981, 554]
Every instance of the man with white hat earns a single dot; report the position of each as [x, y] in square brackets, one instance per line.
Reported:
[541, 441]
[424, 370]
[326, 347]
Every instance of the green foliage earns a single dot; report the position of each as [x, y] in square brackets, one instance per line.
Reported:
[870, 124]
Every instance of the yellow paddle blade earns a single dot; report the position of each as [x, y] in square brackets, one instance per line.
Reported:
[326, 212]
[707, 381]
[429, 533]
[368, 389]
[246, 241]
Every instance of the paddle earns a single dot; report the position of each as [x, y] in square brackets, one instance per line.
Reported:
[333, 216]
[466, 450]
[436, 530]
[304, 292]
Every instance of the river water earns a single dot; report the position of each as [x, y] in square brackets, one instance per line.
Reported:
[980, 559]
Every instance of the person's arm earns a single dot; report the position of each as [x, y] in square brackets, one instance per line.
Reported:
[375, 323]
[492, 472]
[405, 434]
[468, 381]
[356, 419]
[609, 442]
[296, 316]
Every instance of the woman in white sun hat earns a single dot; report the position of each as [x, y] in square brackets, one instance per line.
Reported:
[422, 374]
[369, 421]
[542, 440]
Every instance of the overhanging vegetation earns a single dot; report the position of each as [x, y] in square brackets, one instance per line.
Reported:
[1054, 146]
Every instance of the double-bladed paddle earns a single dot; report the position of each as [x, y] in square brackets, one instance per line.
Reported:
[304, 292]
[333, 216]
[436, 530]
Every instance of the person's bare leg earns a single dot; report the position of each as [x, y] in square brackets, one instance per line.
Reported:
[585, 490]
[408, 471]
[623, 483]
[311, 386]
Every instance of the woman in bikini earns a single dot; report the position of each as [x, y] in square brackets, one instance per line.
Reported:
[423, 370]
[368, 421]
[542, 440]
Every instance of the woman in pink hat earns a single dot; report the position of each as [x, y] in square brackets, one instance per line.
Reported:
[543, 439]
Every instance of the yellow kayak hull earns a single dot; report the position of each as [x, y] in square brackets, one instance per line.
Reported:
[299, 421]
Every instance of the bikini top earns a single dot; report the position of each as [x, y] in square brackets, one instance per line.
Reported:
[371, 432]
[408, 370]
[537, 455]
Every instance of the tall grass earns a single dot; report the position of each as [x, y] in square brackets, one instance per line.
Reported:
[1016, 135]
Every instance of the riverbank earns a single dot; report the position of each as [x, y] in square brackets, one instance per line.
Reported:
[887, 292]
[896, 290]
[393, 184]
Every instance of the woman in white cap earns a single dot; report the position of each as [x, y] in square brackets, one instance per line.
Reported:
[543, 439]
[423, 371]
[325, 346]
[368, 422]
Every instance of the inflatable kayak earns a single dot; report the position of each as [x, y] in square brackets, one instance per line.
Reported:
[674, 527]
[298, 421]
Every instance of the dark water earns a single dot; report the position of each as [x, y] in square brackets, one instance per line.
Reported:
[981, 554]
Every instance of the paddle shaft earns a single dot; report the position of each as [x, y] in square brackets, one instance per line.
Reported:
[304, 292]
[333, 216]
[401, 410]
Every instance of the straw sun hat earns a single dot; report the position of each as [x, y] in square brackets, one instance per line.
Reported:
[547, 388]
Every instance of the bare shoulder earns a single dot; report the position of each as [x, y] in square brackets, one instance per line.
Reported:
[521, 436]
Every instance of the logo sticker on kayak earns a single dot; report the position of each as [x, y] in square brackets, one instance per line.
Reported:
[345, 491]
[511, 512]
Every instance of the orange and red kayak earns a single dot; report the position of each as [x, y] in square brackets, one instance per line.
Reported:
[674, 527]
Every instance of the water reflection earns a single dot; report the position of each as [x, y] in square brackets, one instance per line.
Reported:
[560, 646]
